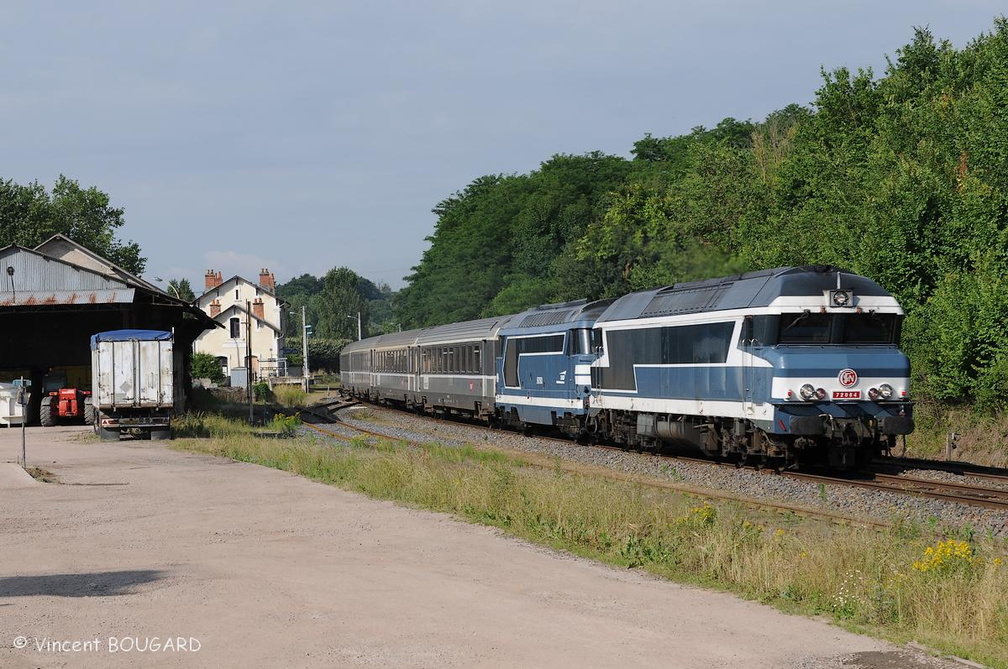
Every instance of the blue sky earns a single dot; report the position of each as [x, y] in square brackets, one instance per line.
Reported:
[306, 135]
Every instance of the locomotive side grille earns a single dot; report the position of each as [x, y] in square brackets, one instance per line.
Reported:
[685, 301]
[539, 319]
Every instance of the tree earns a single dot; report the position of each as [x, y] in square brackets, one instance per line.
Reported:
[29, 216]
[181, 289]
[338, 304]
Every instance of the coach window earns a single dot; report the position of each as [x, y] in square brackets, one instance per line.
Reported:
[476, 359]
[510, 347]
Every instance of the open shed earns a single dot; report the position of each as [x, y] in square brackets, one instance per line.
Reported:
[55, 296]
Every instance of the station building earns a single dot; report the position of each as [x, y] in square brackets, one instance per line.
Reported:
[251, 336]
[54, 297]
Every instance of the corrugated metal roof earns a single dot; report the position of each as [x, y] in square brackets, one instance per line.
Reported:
[34, 272]
[65, 297]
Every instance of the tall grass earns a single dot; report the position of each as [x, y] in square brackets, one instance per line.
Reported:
[290, 396]
[903, 584]
[980, 437]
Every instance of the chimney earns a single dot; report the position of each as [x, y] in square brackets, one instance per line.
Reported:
[267, 281]
[214, 308]
[257, 309]
[212, 280]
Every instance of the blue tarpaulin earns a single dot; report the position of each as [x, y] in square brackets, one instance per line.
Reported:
[128, 335]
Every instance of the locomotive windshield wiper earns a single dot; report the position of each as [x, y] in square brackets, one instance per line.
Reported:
[802, 316]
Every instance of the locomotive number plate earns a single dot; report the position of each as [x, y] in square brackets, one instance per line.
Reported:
[846, 394]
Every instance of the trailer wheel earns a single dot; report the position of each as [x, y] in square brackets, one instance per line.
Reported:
[46, 417]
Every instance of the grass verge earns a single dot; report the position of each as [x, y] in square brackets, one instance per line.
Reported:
[950, 593]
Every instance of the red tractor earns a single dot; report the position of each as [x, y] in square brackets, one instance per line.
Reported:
[64, 405]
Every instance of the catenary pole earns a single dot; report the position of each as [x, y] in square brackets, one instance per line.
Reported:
[304, 346]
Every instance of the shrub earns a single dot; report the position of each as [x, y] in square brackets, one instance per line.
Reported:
[205, 366]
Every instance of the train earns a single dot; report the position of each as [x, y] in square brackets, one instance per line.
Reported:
[787, 366]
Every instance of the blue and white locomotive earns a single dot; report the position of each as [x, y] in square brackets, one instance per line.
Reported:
[785, 365]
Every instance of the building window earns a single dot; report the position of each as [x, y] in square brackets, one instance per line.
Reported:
[235, 328]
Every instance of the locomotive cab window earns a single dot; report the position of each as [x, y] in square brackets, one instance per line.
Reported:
[870, 328]
[805, 328]
[850, 329]
[580, 341]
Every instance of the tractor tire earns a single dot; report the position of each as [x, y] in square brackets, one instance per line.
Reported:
[89, 411]
[46, 417]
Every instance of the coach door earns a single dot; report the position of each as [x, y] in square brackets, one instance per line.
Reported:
[750, 377]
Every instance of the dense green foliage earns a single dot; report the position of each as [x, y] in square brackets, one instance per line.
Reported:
[206, 366]
[29, 216]
[507, 242]
[333, 303]
[323, 354]
[902, 178]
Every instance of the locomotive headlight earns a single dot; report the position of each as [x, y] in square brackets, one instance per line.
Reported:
[807, 392]
[841, 298]
[873, 393]
[885, 391]
[820, 394]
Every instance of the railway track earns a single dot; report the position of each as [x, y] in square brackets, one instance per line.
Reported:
[962, 493]
[993, 474]
[549, 463]
[877, 479]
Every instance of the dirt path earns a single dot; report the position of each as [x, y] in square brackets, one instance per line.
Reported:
[258, 568]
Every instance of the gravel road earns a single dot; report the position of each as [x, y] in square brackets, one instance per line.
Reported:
[142, 556]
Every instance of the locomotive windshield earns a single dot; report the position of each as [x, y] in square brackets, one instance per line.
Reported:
[808, 327]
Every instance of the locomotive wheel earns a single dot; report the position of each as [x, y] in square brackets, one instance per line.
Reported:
[46, 417]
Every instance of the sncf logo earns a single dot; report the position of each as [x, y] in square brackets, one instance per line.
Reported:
[847, 378]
